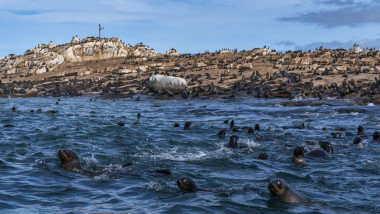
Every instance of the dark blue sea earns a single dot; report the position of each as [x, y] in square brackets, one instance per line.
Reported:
[32, 179]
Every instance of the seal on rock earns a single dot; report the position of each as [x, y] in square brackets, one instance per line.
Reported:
[281, 190]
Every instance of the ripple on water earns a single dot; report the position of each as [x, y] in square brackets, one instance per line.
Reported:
[33, 180]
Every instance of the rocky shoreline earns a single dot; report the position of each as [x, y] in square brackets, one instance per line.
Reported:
[112, 69]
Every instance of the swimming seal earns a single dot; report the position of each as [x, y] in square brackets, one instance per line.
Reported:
[326, 148]
[70, 162]
[187, 126]
[233, 142]
[251, 130]
[376, 136]
[298, 156]
[222, 133]
[361, 130]
[358, 140]
[188, 185]
[263, 156]
[281, 190]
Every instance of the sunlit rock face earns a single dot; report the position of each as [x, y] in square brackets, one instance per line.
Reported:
[47, 57]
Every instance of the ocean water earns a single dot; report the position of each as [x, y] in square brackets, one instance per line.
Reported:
[32, 179]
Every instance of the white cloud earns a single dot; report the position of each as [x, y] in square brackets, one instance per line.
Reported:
[363, 43]
[85, 11]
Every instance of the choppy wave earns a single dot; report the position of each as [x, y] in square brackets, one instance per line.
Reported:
[33, 180]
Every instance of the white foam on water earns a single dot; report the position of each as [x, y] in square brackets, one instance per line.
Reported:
[195, 154]
[251, 143]
[308, 114]
[90, 160]
[362, 145]
[154, 185]
[175, 154]
[102, 176]
[374, 163]
[299, 97]
[370, 104]
[337, 113]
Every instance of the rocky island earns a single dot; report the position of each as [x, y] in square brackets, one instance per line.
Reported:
[112, 69]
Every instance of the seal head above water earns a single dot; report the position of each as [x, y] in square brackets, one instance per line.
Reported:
[298, 155]
[188, 185]
[70, 162]
[281, 190]
[326, 149]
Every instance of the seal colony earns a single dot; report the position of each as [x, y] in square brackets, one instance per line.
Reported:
[112, 69]
[276, 187]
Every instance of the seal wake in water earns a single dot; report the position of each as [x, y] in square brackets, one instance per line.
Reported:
[70, 162]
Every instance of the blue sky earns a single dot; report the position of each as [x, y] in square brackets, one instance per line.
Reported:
[193, 26]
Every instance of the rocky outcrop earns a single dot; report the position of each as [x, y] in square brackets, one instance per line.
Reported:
[92, 50]
[47, 57]
[114, 69]
[172, 52]
[356, 49]
[75, 40]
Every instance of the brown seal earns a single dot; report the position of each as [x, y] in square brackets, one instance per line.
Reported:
[298, 156]
[188, 185]
[281, 190]
[70, 161]
[233, 142]
[326, 149]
